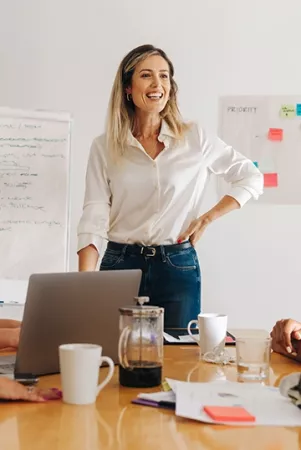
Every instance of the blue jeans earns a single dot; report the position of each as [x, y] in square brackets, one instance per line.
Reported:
[171, 277]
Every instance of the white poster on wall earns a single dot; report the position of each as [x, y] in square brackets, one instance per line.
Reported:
[267, 130]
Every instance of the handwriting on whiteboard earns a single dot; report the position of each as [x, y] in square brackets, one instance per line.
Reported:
[26, 150]
[34, 192]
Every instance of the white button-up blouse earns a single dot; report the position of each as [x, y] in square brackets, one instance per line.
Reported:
[146, 201]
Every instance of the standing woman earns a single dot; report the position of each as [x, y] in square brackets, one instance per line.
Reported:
[144, 186]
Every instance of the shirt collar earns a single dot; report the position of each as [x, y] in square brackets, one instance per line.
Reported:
[165, 130]
[165, 135]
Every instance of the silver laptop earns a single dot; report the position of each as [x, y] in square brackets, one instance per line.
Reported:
[73, 307]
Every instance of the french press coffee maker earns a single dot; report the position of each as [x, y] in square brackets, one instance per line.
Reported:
[140, 348]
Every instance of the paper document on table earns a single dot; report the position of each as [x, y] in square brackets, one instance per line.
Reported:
[158, 396]
[170, 338]
[266, 403]
[188, 338]
[172, 384]
[182, 338]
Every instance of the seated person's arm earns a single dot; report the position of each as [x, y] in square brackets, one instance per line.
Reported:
[286, 338]
[9, 337]
[9, 323]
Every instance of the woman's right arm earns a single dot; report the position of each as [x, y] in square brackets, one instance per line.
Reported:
[87, 259]
[94, 223]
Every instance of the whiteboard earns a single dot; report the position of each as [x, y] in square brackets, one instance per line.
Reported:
[266, 129]
[34, 193]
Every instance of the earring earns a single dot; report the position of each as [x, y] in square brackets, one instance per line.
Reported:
[128, 97]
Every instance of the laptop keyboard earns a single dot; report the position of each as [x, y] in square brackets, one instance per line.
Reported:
[7, 368]
[7, 364]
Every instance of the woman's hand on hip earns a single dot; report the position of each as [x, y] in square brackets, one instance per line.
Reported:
[195, 230]
[198, 226]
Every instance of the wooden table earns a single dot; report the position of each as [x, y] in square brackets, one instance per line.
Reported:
[114, 423]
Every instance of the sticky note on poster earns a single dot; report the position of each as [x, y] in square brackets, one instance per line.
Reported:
[287, 111]
[298, 109]
[275, 134]
[270, 179]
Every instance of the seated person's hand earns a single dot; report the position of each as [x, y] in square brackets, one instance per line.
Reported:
[12, 390]
[286, 337]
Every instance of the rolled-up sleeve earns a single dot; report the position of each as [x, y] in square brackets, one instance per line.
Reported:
[245, 180]
[94, 222]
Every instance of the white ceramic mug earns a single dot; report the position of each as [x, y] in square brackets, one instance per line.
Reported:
[212, 331]
[79, 366]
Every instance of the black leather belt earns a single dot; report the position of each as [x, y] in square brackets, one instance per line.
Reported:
[148, 250]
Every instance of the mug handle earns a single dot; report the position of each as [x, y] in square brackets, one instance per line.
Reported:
[189, 330]
[110, 374]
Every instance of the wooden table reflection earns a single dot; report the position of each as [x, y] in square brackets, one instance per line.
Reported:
[114, 423]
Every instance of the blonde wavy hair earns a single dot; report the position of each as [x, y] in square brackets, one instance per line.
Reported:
[121, 112]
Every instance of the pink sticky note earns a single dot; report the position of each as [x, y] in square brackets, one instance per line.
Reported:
[270, 179]
[229, 413]
[275, 134]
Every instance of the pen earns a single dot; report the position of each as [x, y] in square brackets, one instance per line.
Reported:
[160, 404]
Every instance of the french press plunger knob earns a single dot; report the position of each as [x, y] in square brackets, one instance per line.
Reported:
[141, 300]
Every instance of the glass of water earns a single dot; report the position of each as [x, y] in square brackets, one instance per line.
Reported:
[253, 356]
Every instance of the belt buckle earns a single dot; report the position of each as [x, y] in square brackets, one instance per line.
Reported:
[151, 249]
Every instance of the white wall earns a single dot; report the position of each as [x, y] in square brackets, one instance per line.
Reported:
[63, 54]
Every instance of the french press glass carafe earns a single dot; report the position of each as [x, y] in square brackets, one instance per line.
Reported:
[140, 344]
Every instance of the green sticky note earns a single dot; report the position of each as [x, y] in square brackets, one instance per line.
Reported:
[287, 111]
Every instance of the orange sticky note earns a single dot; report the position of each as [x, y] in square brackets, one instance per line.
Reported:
[275, 134]
[229, 414]
[270, 179]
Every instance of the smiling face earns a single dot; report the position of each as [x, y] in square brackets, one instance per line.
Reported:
[150, 87]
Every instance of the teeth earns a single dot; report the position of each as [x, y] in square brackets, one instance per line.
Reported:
[154, 95]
